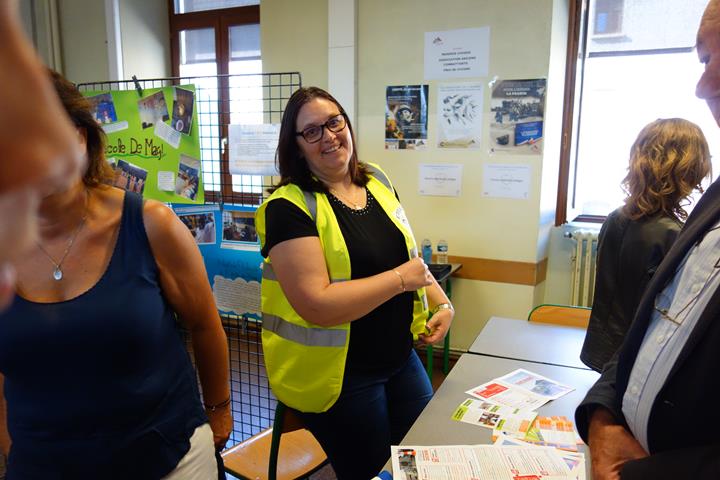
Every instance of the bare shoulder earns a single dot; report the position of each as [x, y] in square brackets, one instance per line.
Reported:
[161, 223]
[157, 213]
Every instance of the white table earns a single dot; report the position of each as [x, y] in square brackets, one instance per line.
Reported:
[530, 341]
[435, 427]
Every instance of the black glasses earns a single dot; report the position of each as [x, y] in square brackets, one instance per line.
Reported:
[315, 133]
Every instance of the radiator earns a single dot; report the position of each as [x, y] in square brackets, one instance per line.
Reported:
[584, 264]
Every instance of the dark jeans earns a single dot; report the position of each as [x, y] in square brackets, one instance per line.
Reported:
[375, 410]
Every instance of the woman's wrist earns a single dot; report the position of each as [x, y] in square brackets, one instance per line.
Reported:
[217, 406]
[402, 280]
[442, 306]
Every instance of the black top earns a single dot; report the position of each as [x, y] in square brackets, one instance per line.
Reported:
[693, 384]
[381, 339]
[629, 252]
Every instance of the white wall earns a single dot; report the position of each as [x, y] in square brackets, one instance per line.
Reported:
[523, 45]
[145, 39]
[83, 37]
[145, 33]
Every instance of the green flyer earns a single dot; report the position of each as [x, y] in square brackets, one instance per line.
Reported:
[152, 141]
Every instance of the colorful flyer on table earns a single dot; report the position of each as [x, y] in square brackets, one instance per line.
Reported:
[508, 395]
[536, 384]
[141, 144]
[406, 117]
[488, 415]
[556, 431]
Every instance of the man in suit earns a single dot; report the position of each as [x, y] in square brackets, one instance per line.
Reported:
[650, 415]
[39, 148]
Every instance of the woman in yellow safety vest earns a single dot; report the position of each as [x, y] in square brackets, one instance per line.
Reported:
[344, 293]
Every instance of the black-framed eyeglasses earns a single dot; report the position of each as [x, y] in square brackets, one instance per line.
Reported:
[315, 133]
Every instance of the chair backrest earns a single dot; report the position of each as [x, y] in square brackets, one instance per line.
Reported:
[567, 315]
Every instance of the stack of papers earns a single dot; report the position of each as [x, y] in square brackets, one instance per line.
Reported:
[527, 446]
[486, 462]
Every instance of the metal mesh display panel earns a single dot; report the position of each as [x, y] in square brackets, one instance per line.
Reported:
[223, 100]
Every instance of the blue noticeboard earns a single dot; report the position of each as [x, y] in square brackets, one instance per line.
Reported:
[230, 247]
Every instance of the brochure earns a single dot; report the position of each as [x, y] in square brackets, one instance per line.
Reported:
[480, 462]
[521, 389]
[488, 415]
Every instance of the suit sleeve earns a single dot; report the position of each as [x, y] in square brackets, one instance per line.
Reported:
[601, 394]
[698, 463]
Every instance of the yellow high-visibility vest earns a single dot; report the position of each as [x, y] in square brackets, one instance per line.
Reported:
[305, 362]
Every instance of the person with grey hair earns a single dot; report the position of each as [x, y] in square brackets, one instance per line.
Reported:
[637, 418]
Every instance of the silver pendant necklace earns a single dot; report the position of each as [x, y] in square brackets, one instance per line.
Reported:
[353, 204]
[57, 273]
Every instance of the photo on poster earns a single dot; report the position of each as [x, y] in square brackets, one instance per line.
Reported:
[406, 117]
[182, 112]
[239, 226]
[103, 108]
[201, 226]
[517, 110]
[129, 177]
[188, 177]
[153, 109]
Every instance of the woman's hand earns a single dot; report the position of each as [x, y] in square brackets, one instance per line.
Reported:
[437, 327]
[415, 274]
[221, 423]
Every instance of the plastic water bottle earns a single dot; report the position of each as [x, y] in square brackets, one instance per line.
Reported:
[442, 252]
[427, 250]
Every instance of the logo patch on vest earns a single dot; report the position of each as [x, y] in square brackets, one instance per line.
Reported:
[400, 215]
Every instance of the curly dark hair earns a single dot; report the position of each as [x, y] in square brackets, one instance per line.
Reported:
[292, 166]
[80, 112]
[668, 160]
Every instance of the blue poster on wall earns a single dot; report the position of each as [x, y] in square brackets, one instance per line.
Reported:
[229, 244]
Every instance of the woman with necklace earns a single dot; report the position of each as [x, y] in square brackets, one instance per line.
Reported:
[96, 376]
[344, 293]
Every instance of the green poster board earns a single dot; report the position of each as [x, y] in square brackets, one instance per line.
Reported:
[152, 141]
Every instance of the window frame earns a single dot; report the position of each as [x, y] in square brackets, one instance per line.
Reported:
[579, 23]
[220, 21]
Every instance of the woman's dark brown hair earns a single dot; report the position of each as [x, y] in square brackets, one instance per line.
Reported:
[292, 166]
[78, 108]
[668, 160]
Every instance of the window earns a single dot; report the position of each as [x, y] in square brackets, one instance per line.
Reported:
[608, 17]
[220, 37]
[636, 62]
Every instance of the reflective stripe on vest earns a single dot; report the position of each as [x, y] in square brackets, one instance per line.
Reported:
[380, 177]
[311, 337]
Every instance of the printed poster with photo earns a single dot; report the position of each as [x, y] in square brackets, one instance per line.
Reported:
[517, 109]
[231, 250]
[151, 141]
[406, 117]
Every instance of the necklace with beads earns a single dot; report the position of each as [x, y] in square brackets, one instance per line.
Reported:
[352, 203]
[57, 273]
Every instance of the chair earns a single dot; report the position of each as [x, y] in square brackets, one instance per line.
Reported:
[567, 315]
[286, 451]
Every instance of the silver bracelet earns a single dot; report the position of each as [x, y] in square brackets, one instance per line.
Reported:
[442, 306]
